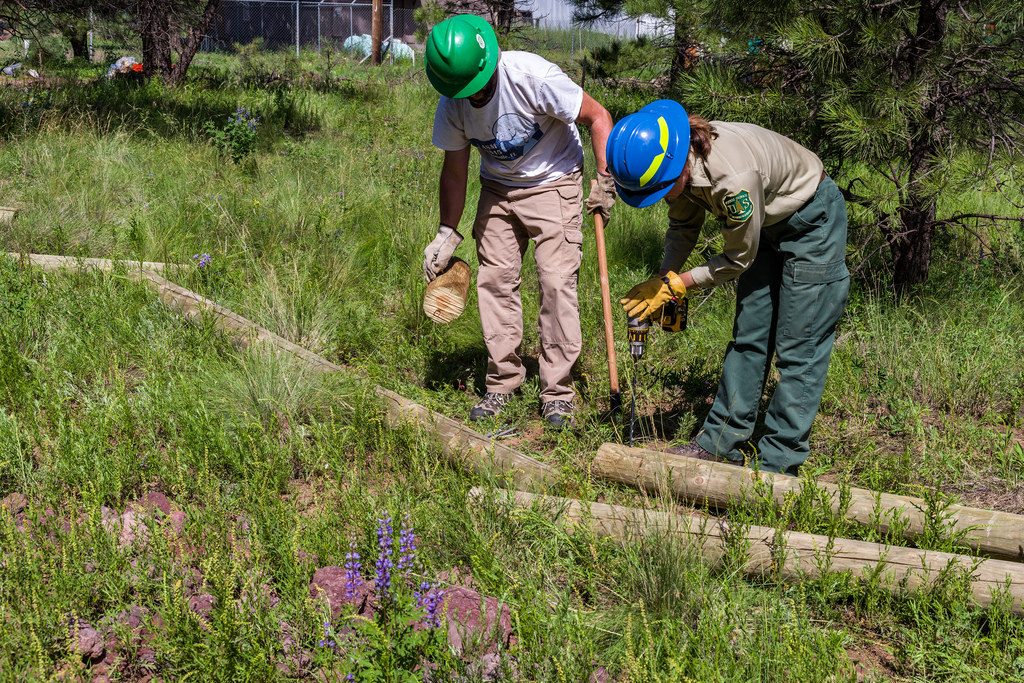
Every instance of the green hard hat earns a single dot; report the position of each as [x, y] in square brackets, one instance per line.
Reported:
[462, 54]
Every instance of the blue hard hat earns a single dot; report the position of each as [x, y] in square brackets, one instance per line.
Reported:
[647, 151]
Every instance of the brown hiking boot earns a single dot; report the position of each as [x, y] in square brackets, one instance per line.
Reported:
[489, 406]
[692, 450]
[558, 414]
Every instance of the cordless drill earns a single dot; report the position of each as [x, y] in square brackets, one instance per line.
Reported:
[671, 317]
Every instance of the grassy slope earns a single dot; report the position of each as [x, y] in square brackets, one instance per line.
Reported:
[105, 396]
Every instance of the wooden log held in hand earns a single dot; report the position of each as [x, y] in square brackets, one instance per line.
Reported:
[445, 298]
[791, 556]
[719, 485]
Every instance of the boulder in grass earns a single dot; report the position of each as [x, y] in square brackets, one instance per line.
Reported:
[86, 640]
[329, 583]
[14, 503]
[476, 621]
[202, 604]
[154, 501]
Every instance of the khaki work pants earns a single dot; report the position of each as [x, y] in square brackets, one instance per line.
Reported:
[506, 219]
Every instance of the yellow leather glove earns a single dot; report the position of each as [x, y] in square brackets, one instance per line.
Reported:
[649, 296]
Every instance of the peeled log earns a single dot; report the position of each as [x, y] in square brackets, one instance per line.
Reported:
[994, 533]
[445, 297]
[792, 556]
[50, 263]
[463, 445]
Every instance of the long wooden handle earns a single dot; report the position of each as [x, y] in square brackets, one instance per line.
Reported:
[606, 305]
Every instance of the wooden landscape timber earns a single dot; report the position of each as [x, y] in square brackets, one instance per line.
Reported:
[463, 445]
[994, 533]
[445, 297]
[50, 263]
[792, 556]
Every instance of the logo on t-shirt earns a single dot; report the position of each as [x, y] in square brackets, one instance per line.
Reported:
[514, 136]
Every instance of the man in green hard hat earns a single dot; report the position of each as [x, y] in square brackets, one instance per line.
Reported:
[520, 111]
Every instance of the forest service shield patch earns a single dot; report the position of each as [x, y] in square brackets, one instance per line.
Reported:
[738, 206]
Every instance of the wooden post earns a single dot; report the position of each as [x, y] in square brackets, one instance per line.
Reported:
[50, 263]
[792, 556]
[445, 297]
[615, 397]
[376, 31]
[463, 446]
[997, 534]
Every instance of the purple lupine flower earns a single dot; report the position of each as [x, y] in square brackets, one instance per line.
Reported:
[429, 600]
[432, 606]
[202, 260]
[350, 677]
[353, 566]
[327, 640]
[385, 543]
[406, 548]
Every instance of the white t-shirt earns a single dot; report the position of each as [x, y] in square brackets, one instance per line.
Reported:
[526, 134]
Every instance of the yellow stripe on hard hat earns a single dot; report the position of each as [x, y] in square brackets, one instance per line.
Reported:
[656, 162]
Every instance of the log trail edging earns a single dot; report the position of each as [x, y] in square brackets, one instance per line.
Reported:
[792, 556]
[991, 532]
[466, 447]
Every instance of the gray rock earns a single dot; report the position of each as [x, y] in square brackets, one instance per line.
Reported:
[133, 529]
[153, 501]
[202, 604]
[176, 522]
[475, 620]
[14, 503]
[110, 520]
[296, 660]
[86, 640]
[329, 584]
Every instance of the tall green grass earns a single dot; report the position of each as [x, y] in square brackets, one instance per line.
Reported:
[105, 395]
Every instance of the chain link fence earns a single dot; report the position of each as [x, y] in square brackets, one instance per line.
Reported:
[302, 25]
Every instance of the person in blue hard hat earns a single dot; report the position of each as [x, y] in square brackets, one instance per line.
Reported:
[784, 226]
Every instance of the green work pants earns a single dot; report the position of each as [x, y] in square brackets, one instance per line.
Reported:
[787, 305]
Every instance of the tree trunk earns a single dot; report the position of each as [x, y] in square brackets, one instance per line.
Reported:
[911, 241]
[189, 45]
[683, 49]
[79, 40]
[376, 30]
[155, 29]
[911, 247]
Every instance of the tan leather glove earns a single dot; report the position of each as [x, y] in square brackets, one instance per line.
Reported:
[602, 196]
[649, 296]
[439, 252]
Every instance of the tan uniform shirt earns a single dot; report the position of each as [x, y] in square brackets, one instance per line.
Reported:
[752, 178]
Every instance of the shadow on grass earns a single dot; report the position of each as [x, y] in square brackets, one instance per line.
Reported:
[693, 388]
[154, 109]
[457, 368]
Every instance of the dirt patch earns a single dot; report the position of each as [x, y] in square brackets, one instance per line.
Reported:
[991, 493]
[872, 661]
[308, 497]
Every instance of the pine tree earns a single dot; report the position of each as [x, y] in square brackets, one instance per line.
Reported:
[900, 86]
[682, 15]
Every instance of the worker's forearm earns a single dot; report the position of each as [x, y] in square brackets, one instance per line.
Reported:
[599, 121]
[452, 199]
[599, 133]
